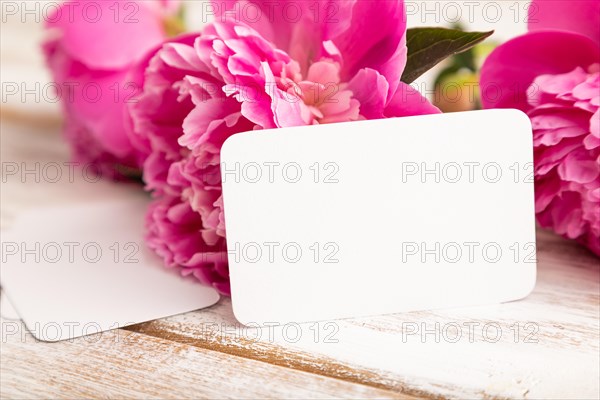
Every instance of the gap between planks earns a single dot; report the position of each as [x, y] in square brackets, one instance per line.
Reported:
[289, 358]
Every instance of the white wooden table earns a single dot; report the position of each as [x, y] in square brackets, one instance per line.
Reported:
[546, 346]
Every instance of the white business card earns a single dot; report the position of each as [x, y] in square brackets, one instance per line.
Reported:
[82, 269]
[382, 216]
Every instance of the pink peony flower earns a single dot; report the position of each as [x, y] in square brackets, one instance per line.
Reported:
[91, 47]
[552, 74]
[241, 75]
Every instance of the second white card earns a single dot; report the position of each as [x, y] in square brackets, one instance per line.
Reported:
[82, 269]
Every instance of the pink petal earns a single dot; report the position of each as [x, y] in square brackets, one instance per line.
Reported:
[566, 214]
[408, 101]
[91, 34]
[376, 39]
[595, 124]
[324, 73]
[589, 90]
[199, 123]
[182, 55]
[579, 16]
[259, 112]
[297, 27]
[545, 191]
[96, 101]
[579, 169]
[561, 83]
[509, 71]
[592, 140]
[167, 113]
[367, 34]
[370, 88]
[287, 109]
[341, 107]
[548, 157]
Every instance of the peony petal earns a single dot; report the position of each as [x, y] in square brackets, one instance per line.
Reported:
[561, 83]
[93, 33]
[578, 169]
[545, 191]
[595, 124]
[579, 16]
[566, 215]
[176, 234]
[182, 55]
[547, 157]
[324, 72]
[200, 122]
[96, 101]
[367, 34]
[408, 101]
[376, 39]
[370, 88]
[509, 71]
[148, 119]
[589, 90]
[286, 107]
[592, 140]
[297, 27]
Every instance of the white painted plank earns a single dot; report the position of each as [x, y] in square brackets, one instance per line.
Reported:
[122, 364]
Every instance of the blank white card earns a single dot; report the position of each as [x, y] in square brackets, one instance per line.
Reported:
[382, 216]
[83, 269]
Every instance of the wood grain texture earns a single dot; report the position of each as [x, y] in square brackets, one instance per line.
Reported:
[122, 364]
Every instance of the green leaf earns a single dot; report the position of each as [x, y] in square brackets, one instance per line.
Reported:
[429, 46]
